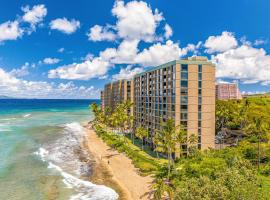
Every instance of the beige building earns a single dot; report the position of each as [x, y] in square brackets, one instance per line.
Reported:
[183, 90]
[117, 92]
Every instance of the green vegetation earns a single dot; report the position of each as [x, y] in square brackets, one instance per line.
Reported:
[240, 172]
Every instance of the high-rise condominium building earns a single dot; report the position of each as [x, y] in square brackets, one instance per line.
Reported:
[117, 92]
[183, 90]
[227, 91]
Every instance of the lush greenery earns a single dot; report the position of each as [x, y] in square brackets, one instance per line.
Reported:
[236, 173]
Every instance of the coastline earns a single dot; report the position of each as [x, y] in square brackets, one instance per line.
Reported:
[119, 174]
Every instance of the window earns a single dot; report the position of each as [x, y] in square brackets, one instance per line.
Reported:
[183, 123]
[173, 107]
[184, 107]
[200, 116]
[184, 75]
[184, 83]
[200, 84]
[200, 68]
[184, 67]
[184, 91]
[199, 100]
[200, 76]
[199, 108]
[200, 91]
[199, 124]
[184, 100]
[183, 116]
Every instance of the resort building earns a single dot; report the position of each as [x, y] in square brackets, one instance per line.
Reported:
[227, 91]
[117, 92]
[182, 89]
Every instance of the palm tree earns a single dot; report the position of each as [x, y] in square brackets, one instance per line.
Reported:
[257, 128]
[141, 133]
[162, 188]
[168, 139]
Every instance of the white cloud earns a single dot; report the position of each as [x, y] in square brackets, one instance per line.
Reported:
[15, 87]
[23, 71]
[10, 30]
[260, 42]
[34, 15]
[220, 43]
[61, 50]
[249, 64]
[50, 61]
[81, 71]
[127, 73]
[159, 53]
[64, 25]
[99, 33]
[136, 20]
[168, 31]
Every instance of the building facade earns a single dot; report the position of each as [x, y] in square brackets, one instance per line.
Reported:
[183, 90]
[117, 92]
[227, 91]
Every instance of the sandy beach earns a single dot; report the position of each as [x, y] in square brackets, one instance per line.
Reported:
[116, 170]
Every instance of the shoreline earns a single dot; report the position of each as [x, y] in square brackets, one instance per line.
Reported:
[115, 170]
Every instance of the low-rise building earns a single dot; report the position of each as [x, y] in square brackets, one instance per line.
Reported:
[227, 91]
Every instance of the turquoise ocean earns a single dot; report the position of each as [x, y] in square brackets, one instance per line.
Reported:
[39, 145]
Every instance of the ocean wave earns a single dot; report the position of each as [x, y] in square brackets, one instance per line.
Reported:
[26, 115]
[86, 190]
[8, 119]
[4, 127]
[62, 155]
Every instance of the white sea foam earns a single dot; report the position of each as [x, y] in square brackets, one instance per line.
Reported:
[8, 119]
[26, 115]
[61, 157]
[4, 127]
[42, 153]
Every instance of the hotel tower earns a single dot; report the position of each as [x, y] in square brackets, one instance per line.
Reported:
[182, 89]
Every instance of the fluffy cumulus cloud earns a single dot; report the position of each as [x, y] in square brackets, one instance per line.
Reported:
[158, 54]
[34, 15]
[15, 87]
[81, 71]
[127, 73]
[220, 43]
[249, 64]
[136, 20]
[99, 33]
[10, 30]
[49, 61]
[20, 72]
[64, 25]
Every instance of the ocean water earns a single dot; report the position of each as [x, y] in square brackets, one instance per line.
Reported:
[40, 154]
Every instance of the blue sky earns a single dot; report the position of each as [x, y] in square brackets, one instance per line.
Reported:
[70, 49]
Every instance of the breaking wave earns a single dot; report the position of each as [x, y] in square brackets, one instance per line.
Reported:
[62, 156]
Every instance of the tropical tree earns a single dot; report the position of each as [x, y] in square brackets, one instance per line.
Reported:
[141, 133]
[168, 139]
[163, 188]
[258, 129]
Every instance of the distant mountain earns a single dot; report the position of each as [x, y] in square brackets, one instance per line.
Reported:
[5, 97]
